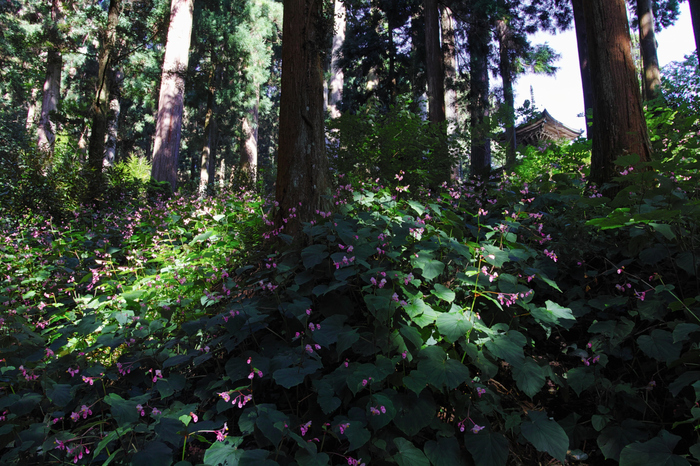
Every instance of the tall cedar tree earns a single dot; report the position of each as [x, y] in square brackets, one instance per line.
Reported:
[584, 63]
[166, 148]
[46, 134]
[100, 104]
[619, 127]
[647, 43]
[479, 37]
[695, 16]
[433, 58]
[335, 85]
[302, 166]
[505, 39]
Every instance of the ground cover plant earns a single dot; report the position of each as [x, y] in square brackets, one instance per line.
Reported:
[497, 322]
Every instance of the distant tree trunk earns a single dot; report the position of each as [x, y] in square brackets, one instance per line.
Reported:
[584, 64]
[479, 39]
[100, 103]
[249, 141]
[695, 16]
[335, 89]
[449, 66]
[207, 162]
[113, 113]
[302, 166]
[433, 63]
[504, 45]
[647, 43]
[619, 127]
[166, 148]
[31, 110]
[46, 130]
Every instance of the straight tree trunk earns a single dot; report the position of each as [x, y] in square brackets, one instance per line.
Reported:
[619, 127]
[31, 110]
[207, 163]
[335, 89]
[449, 66]
[100, 103]
[249, 142]
[302, 166]
[46, 129]
[113, 113]
[504, 44]
[650, 59]
[584, 64]
[479, 39]
[433, 63]
[695, 16]
[166, 148]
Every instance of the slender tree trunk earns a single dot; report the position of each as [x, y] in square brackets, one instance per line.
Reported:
[207, 164]
[166, 148]
[433, 63]
[619, 127]
[113, 113]
[479, 38]
[100, 103]
[31, 110]
[647, 43]
[449, 66]
[695, 16]
[584, 64]
[46, 129]
[504, 44]
[302, 166]
[249, 142]
[335, 89]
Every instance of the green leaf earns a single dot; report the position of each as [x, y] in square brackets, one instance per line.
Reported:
[579, 379]
[545, 435]
[154, 454]
[26, 404]
[357, 435]
[682, 331]
[444, 452]
[413, 413]
[453, 325]
[313, 255]
[613, 439]
[444, 293]
[657, 451]
[123, 411]
[293, 376]
[202, 237]
[494, 255]
[553, 314]
[683, 380]
[441, 371]
[508, 346]
[224, 453]
[660, 345]
[380, 306]
[408, 454]
[60, 394]
[664, 229]
[429, 268]
[487, 448]
[529, 377]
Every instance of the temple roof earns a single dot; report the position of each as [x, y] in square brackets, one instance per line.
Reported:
[544, 128]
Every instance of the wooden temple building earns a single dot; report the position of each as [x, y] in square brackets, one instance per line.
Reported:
[544, 128]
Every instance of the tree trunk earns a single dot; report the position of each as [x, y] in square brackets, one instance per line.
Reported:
[449, 66]
[46, 129]
[650, 59]
[31, 110]
[433, 63]
[504, 44]
[584, 64]
[166, 148]
[249, 142]
[479, 38]
[100, 103]
[302, 166]
[335, 89]
[695, 16]
[619, 127]
[113, 113]
[207, 163]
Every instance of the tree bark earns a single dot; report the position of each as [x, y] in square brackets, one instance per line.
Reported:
[100, 103]
[335, 89]
[584, 64]
[619, 127]
[31, 110]
[650, 59]
[302, 166]
[433, 63]
[449, 66]
[46, 130]
[113, 113]
[207, 163]
[695, 16]
[479, 38]
[166, 148]
[249, 142]
[504, 45]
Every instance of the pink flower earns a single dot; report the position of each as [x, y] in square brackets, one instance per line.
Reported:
[477, 428]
